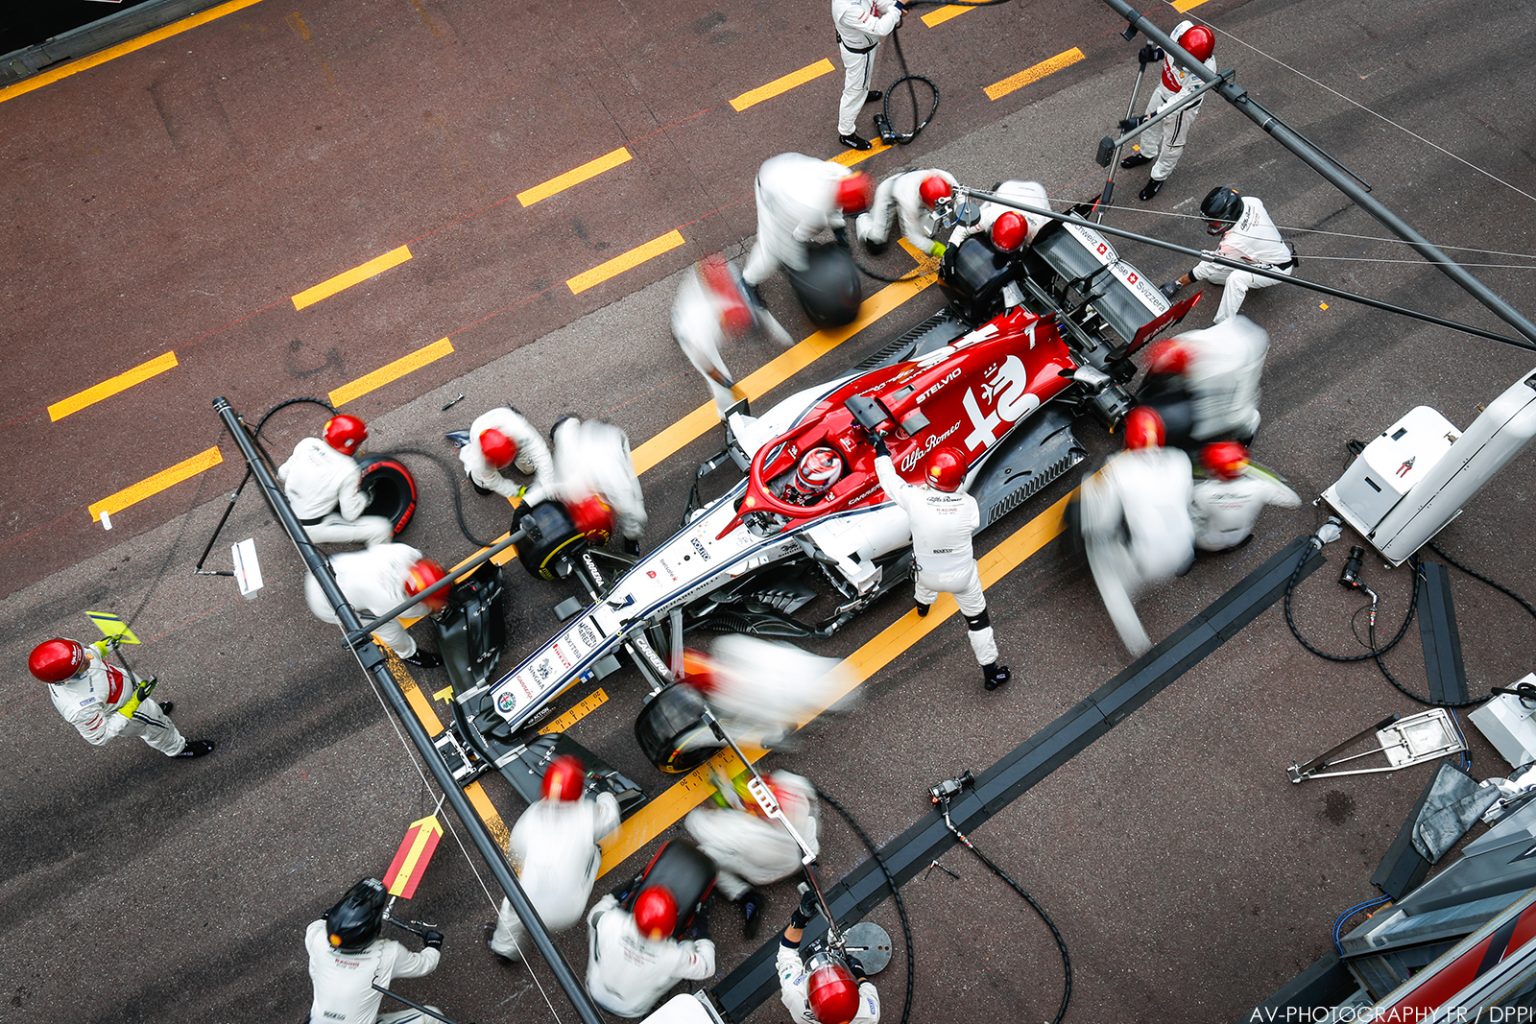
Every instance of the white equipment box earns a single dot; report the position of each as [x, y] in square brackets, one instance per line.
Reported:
[1509, 723]
[1389, 467]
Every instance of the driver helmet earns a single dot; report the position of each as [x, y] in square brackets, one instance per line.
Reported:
[818, 470]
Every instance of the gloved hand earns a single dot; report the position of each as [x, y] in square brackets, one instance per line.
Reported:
[856, 967]
[433, 939]
[841, 235]
[809, 907]
[1130, 123]
[1170, 289]
[880, 445]
[1149, 54]
[141, 693]
[700, 928]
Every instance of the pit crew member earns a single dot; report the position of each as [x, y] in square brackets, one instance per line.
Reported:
[323, 483]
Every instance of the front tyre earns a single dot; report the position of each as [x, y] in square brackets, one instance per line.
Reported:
[672, 731]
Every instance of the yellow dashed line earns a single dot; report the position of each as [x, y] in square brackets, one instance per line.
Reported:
[74, 67]
[391, 372]
[357, 275]
[896, 639]
[1049, 66]
[575, 176]
[752, 97]
[625, 261]
[933, 19]
[111, 386]
[1186, 5]
[150, 486]
[849, 157]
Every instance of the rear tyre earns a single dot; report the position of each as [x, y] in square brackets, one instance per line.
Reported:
[829, 289]
[672, 732]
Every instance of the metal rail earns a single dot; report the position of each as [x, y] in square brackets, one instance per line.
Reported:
[1330, 169]
[371, 658]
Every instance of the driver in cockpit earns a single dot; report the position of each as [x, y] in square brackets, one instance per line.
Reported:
[819, 469]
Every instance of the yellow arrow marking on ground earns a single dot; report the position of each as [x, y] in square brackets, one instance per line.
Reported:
[692, 789]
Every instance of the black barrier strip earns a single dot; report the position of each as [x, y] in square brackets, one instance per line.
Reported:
[745, 988]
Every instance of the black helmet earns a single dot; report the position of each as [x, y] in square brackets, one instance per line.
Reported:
[1221, 208]
[355, 921]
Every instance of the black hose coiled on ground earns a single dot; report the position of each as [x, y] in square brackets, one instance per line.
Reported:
[890, 881]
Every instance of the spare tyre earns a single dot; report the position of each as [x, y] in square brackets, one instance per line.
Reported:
[829, 289]
[390, 489]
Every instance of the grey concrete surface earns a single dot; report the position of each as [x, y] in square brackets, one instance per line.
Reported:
[1188, 875]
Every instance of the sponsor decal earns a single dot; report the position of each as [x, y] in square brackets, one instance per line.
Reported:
[667, 568]
[951, 375]
[587, 633]
[557, 652]
[542, 670]
[650, 573]
[698, 546]
[1006, 391]
[525, 684]
[505, 702]
[916, 454]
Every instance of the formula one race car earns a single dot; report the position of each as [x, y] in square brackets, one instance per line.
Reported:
[1029, 342]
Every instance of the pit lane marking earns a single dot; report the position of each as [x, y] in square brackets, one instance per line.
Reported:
[1186, 5]
[111, 386]
[625, 261]
[391, 372]
[347, 278]
[1033, 73]
[131, 495]
[661, 813]
[575, 176]
[422, 706]
[781, 85]
[124, 48]
[849, 157]
[933, 19]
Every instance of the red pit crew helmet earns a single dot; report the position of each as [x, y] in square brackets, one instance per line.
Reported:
[1009, 231]
[422, 575]
[655, 912]
[564, 780]
[933, 189]
[1144, 429]
[718, 280]
[946, 470]
[855, 192]
[1199, 41]
[1168, 356]
[499, 449]
[832, 990]
[345, 433]
[56, 660]
[1225, 460]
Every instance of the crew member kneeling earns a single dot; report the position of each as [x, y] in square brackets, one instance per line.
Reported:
[323, 483]
[943, 518]
[374, 581]
[632, 958]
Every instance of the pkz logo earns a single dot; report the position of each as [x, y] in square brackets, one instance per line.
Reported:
[1006, 391]
[505, 702]
[698, 546]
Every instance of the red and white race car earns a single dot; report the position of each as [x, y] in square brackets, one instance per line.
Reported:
[1029, 343]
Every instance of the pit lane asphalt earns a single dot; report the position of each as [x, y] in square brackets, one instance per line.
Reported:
[1186, 873]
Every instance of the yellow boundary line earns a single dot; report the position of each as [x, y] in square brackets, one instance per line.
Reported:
[1049, 66]
[186, 469]
[122, 49]
[661, 813]
[849, 157]
[781, 85]
[357, 275]
[933, 19]
[575, 176]
[625, 261]
[111, 386]
[391, 372]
